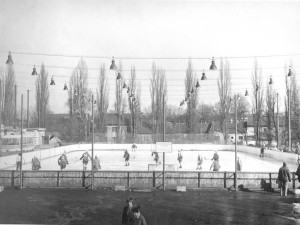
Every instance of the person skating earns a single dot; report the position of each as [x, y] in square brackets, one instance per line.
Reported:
[18, 161]
[215, 156]
[298, 171]
[85, 159]
[262, 151]
[126, 157]
[127, 216]
[239, 164]
[283, 179]
[96, 163]
[199, 162]
[215, 165]
[138, 218]
[63, 161]
[35, 163]
[133, 149]
[156, 158]
[180, 158]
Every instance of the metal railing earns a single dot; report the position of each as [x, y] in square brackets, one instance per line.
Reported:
[139, 179]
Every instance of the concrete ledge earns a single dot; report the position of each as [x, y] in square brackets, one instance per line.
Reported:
[120, 188]
[181, 188]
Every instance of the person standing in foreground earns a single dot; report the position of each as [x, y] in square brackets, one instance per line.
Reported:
[283, 179]
[298, 170]
[138, 218]
[127, 216]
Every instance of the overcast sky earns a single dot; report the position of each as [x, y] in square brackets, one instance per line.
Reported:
[140, 32]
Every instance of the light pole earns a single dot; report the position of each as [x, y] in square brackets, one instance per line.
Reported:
[289, 108]
[257, 115]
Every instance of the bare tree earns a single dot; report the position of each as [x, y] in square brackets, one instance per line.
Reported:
[292, 96]
[78, 102]
[158, 92]
[102, 97]
[42, 96]
[258, 96]
[134, 97]
[119, 100]
[192, 98]
[224, 89]
[8, 94]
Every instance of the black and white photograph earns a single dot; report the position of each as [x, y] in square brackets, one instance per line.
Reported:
[149, 112]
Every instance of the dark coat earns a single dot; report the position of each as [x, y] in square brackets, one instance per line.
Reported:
[284, 174]
[127, 216]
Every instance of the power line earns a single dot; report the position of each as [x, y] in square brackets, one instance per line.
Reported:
[150, 58]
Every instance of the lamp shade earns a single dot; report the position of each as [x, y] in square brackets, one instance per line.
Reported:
[9, 60]
[290, 72]
[203, 76]
[52, 81]
[192, 90]
[65, 87]
[213, 64]
[34, 71]
[119, 77]
[271, 81]
[113, 65]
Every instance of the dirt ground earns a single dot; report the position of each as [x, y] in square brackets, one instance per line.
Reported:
[80, 206]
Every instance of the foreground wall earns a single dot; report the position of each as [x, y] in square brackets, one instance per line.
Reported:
[139, 179]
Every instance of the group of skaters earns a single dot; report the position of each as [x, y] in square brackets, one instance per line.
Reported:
[35, 162]
[132, 214]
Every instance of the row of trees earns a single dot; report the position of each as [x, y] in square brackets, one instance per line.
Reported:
[264, 102]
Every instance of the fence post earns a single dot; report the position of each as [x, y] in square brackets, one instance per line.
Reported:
[225, 183]
[83, 178]
[22, 185]
[153, 179]
[270, 179]
[293, 180]
[12, 178]
[198, 179]
[58, 181]
[128, 177]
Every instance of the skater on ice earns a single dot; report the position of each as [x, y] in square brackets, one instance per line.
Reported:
[18, 161]
[85, 159]
[126, 157]
[63, 161]
[35, 163]
[156, 158]
[133, 149]
[239, 164]
[179, 158]
[96, 163]
[199, 162]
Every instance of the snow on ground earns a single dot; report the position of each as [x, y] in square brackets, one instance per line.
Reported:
[113, 160]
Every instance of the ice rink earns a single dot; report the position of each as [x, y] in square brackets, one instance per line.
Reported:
[113, 160]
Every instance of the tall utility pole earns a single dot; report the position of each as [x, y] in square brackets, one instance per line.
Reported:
[257, 119]
[277, 121]
[235, 147]
[21, 172]
[0, 116]
[164, 130]
[92, 142]
[27, 109]
[289, 115]
[15, 112]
